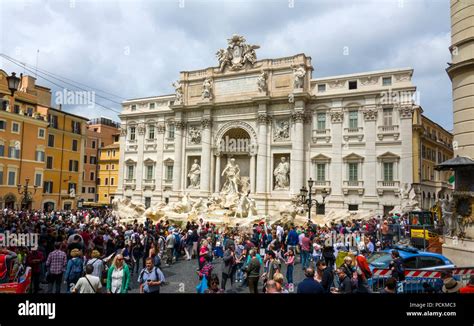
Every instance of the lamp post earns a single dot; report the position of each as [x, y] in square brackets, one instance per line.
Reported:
[27, 195]
[306, 199]
[13, 83]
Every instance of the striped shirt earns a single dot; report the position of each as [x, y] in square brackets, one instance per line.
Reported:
[56, 262]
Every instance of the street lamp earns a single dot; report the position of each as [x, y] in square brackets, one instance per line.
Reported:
[306, 199]
[26, 193]
[13, 82]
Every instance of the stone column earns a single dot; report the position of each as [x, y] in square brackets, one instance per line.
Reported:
[160, 143]
[297, 152]
[262, 154]
[140, 144]
[370, 167]
[121, 174]
[336, 171]
[217, 179]
[206, 155]
[406, 133]
[252, 172]
[178, 153]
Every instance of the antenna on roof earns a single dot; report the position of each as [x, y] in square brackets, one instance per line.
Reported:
[36, 69]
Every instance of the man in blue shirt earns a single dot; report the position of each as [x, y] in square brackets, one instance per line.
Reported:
[150, 278]
[309, 284]
[292, 240]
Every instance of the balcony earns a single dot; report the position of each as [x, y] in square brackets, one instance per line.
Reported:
[350, 133]
[321, 135]
[385, 131]
[129, 183]
[322, 184]
[149, 183]
[349, 185]
[388, 185]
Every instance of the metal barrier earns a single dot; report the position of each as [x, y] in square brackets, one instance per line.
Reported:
[419, 281]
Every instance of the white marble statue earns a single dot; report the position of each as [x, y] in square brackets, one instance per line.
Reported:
[207, 89]
[237, 54]
[183, 206]
[246, 206]
[450, 222]
[262, 82]
[298, 74]
[282, 175]
[194, 175]
[194, 136]
[232, 178]
[282, 131]
[178, 88]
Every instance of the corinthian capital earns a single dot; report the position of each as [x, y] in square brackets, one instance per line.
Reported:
[263, 118]
[206, 123]
[406, 110]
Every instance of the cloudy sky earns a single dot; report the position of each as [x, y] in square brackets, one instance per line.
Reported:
[137, 48]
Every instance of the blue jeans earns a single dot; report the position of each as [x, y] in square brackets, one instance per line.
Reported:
[304, 258]
[289, 273]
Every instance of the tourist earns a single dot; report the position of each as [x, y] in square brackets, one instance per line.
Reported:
[203, 252]
[397, 267]
[97, 264]
[345, 283]
[34, 260]
[309, 284]
[206, 270]
[213, 285]
[150, 278]
[118, 276]
[170, 243]
[88, 283]
[390, 286]
[228, 270]
[450, 285]
[279, 279]
[6, 256]
[305, 245]
[188, 244]
[271, 287]
[363, 272]
[325, 275]
[56, 266]
[253, 271]
[74, 269]
[290, 263]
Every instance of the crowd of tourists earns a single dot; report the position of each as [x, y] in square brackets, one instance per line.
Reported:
[89, 251]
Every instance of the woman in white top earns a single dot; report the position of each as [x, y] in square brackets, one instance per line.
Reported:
[118, 276]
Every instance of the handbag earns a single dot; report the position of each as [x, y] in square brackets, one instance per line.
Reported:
[202, 286]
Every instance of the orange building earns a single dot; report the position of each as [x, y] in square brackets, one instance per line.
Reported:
[23, 135]
[100, 133]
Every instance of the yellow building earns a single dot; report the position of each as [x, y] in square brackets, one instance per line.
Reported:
[432, 145]
[64, 159]
[23, 134]
[108, 172]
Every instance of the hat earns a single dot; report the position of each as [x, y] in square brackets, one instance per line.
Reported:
[450, 285]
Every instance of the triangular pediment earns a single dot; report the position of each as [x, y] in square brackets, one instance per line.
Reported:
[130, 161]
[353, 157]
[149, 161]
[321, 158]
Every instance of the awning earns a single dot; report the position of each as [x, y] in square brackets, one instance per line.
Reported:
[456, 162]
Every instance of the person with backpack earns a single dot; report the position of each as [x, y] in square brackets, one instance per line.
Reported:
[150, 278]
[397, 267]
[74, 269]
[97, 264]
[170, 243]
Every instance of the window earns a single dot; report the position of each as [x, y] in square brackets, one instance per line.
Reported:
[410, 263]
[74, 145]
[152, 106]
[439, 157]
[387, 116]
[353, 84]
[149, 172]
[147, 202]
[151, 132]
[91, 190]
[1, 176]
[171, 131]
[387, 81]
[73, 165]
[49, 162]
[106, 166]
[353, 120]
[426, 262]
[353, 172]
[13, 152]
[3, 124]
[388, 171]
[130, 172]
[93, 144]
[321, 172]
[41, 133]
[113, 152]
[423, 151]
[71, 186]
[113, 167]
[108, 153]
[133, 107]
[53, 120]
[102, 144]
[93, 160]
[29, 111]
[353, 207]
[169, 172]
[48, 187]
[51, 140]
[16, 108]
[85, 159]
[12, 178]
[38, 179]
[111, 181]
[92, 175]
[321, 88]
[2, 150]
[321, 120]
[40, 156]
[76, 127]
[132, 133]
[15, 127]
[106, 181]
[83, 190]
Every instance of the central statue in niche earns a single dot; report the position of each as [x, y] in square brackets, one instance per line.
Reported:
[282, 175]
[232, 178]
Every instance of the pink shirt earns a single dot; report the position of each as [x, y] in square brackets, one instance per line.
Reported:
[305, 244]
[203, 249]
